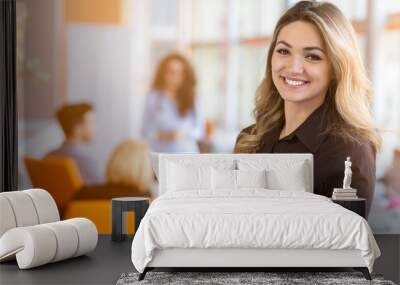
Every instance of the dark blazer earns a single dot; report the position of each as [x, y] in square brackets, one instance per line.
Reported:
[329, 153]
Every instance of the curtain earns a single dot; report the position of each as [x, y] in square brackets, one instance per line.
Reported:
[8, 101]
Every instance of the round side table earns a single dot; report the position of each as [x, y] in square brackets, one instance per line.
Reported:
[139, 205]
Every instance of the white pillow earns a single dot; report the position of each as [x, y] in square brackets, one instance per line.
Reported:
[236, 179]
[251, 178]
[223, 179]
[187, 177]
[292, 179]
[282, 174]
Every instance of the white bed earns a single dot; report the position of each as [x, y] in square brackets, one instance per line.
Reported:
[203, 220]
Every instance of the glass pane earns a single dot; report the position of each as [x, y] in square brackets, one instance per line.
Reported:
[258, 17]
[163, 19]
[361, 41]
[391, 6]
[252, 69]
[164, 13]
[209, 66]
[209, 20]
[389, 55]
[354, 10]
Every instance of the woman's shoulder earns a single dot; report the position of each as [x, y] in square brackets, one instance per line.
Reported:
[247, 130]
[356, 146]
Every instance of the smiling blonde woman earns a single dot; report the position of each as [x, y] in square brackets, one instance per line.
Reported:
[315, 98]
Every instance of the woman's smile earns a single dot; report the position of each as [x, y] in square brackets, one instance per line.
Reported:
[294, 83]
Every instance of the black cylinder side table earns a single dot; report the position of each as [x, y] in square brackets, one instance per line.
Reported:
[120, 206]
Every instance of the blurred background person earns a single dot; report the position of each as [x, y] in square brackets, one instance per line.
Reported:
[172, 121]
[128, 173]
[129, 165]
[78, 124]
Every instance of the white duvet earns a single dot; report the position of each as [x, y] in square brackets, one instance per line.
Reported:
[251, 218]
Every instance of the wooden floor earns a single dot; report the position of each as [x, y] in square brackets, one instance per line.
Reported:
[111, 259]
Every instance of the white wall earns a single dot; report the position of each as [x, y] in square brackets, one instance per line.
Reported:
[101, 69]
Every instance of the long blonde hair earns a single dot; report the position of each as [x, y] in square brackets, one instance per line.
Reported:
[130, 165]
[349, 96]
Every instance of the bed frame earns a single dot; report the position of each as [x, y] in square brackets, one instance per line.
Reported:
[249, 259]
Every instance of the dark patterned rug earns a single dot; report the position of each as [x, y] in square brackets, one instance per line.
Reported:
[229, 278]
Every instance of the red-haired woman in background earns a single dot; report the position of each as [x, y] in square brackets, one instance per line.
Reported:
[172, 121]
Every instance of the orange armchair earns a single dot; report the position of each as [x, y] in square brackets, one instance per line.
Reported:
[61, 178]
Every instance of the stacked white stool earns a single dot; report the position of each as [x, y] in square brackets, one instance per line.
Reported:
[31, 230]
